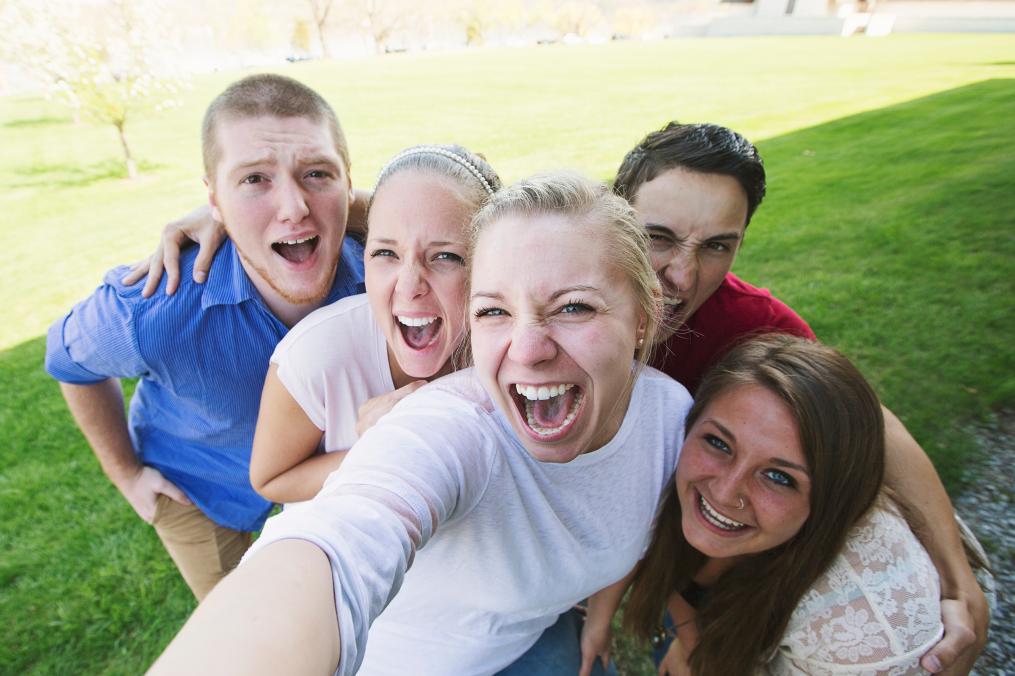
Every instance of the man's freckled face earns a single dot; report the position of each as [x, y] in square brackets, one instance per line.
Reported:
[695, 222]
[551, 314]
[283, 193]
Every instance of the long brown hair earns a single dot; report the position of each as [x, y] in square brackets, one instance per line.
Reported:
[842, 433]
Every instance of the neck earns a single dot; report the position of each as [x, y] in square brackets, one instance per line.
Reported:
[712, 570]
[285, 311]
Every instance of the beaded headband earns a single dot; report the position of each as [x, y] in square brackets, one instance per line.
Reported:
[435, 150]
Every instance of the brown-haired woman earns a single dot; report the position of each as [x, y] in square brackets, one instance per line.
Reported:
[776, 550]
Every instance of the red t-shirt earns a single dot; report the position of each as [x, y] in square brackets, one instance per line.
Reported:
[734, 311]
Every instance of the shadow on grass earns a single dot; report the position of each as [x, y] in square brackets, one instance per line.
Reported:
[75, 176]
[36, 122]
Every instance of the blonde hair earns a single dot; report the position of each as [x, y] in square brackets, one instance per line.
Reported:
[589, 204]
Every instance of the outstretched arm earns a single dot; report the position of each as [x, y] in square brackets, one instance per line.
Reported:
[98, 411]
[283, 466]
[275, 614]
[965, 614]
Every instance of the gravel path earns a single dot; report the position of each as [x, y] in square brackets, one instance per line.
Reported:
[987, 507]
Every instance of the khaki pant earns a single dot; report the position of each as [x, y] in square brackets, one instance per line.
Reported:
[203, 551]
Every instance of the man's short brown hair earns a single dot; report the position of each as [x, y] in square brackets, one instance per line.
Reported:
[266, 95]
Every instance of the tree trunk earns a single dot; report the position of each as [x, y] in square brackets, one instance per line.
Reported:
[128, 160]
[324, 45]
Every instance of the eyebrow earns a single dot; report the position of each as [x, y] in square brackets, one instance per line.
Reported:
[775, 461]
[394, 242]
[572, 289]
[487, 294]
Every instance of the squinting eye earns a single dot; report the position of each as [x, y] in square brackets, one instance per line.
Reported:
[489, 312]
[717, 247]
[318, 173]
[448, 256]
[780, 478]
[575, 308]
[382, 252]
[716, 442]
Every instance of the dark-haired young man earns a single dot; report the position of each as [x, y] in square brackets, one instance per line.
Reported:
[277, 172]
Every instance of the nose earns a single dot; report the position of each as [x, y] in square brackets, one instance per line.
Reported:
[531, 344]
[292, 207]
[729, 489]
[411, 282]
[681, 271]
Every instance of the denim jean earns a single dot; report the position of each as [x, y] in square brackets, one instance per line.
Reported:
[557, 652]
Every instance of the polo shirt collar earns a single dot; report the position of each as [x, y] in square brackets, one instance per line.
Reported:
[228, 283]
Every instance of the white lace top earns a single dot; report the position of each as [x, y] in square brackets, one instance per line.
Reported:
[875, 611]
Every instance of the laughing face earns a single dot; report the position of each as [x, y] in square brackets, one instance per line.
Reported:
[415, 271]
[552, 319]
[742, 478]
[695, 222]
[283, 193]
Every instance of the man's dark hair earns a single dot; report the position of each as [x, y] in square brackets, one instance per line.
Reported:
[704, 148]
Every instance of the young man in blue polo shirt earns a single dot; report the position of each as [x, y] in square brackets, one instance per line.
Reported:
[277, 171]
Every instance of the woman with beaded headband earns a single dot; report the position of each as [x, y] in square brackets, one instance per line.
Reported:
[347, 364]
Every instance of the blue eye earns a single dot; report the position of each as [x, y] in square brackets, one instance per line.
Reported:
[388, 253]
[576, 307]
[448, 256]
[489, 312]
[781, 478]
[717, 443]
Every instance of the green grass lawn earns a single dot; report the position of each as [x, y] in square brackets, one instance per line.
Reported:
[888, 225]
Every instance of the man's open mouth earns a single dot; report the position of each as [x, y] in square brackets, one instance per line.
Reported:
[419, 332]
[548, 410]
[296, 250]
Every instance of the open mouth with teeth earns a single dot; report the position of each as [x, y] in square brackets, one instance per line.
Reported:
[716, 519]
[548, 411]
[296, 250]
[673, 309]
[419, 333]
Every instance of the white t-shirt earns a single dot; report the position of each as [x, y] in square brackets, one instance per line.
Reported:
[875, 610]
[333, 362]
[502, 543]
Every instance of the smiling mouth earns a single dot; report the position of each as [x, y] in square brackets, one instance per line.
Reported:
[548, 411]
[419, 332]
[718, 520]
[673, 308]
[296, 250]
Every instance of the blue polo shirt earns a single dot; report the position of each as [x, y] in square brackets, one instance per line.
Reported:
[201, 356]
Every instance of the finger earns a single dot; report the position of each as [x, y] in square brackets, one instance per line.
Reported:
[205, 255]
[137, 271]
[171, 491]
[170, 258]
[586, 668]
